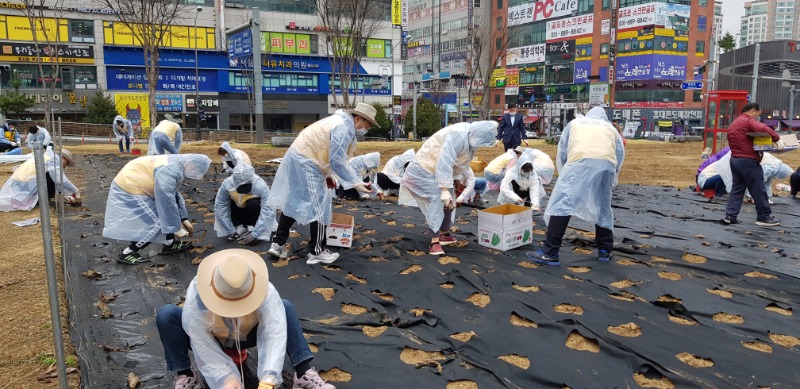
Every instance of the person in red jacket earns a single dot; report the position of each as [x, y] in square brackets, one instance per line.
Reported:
[746, 168]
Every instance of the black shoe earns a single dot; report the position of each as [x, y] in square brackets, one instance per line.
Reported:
[604, 256]
[770, 221]
[131, 259]
[177, 246]
[540, 257]
[729, 220]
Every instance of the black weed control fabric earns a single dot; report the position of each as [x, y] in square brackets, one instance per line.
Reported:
[684, 303]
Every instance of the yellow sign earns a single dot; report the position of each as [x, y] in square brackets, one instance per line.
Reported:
[627, 35]
[179, 37]
[18, 28]
[397, 12]
[664, 123]
[134, 107]
[584, 41]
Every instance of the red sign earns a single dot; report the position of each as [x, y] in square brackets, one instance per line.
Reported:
[648, 104]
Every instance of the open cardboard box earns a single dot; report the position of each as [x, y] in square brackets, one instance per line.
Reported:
[340, 232]
[505, 227]
[763, 142]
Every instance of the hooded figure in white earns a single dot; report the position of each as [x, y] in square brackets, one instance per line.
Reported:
[366, 167]
[392, 173]
[429, 177]
[773, 168]
[20, 192]
[36, 133]
[232, 157]
[527, 181]
[145, 204]
[123, 130]
[241, 211]
[166, 138]
[590, 156]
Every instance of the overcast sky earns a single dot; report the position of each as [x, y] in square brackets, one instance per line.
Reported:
[732, 11]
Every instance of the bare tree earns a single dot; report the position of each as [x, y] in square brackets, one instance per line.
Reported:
[46, 33]
[346, 26]
[149, 23]
[489, 48]
[439, 91]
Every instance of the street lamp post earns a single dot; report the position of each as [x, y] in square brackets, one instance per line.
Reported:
[196, 74]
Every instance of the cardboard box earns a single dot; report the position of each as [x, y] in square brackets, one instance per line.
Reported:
[506, 239]
[763, 142]
[505, 227]
[340, 232]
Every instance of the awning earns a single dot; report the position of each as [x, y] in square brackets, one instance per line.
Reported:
[770, 122]
[531, 119]
[795, 123]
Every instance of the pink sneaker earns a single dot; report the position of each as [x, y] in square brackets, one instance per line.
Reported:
[186, 382]
[446, 239]
[310, 380]
[436, 249]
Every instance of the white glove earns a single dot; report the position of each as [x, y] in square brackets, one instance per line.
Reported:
[182, 233]
[14, 144]
[77, 195]
[461, 199]
[780, 145]
[363, 188]
[69, 199]
[187, 225]
[519, 200]
[535, 208]
[446, 198]
[496, 142]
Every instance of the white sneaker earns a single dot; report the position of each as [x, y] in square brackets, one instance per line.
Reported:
[325, 257]
[311, 380]
[186, 382]
[278, 251]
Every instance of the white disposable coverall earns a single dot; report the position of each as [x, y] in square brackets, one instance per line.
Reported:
[395, 166]
[127, 128]
[234, 155]
[366, 166]
[442, 157]
[166, 138]
[243, 174]
[771, 165]
[532, 183]
[42, 135]
[320, 151]
[144, 203]
[205, 330]
[20, 192]
[496, 169]
[590, 156]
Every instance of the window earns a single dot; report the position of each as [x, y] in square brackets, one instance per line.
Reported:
[606, 4]
[499, 23]
[703, 3]
[585, 6]
[476, 4]
[498, 43]
[85, 77]
[81, 31]
[604, 48]
[560, 74]
[701, 47]
[499, 4]
[697, 96]
[497, 99]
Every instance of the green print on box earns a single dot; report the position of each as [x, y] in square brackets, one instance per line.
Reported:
[495, 240]
[526, 236]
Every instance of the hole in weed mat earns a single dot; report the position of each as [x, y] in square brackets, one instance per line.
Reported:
[396, 238]
[681, 320]
[520, 321]
[327, 293]
[625, 296]
[720, 292]
[628, 330]
[787, 341]
[519, 361]
[628, 262]
[669, 299]
[694, 361]
[571, 278]
[660, 259]
[92, 274]
[651, 378]
[369, 232]
[479, 299]
[525, 288]
[447, 285]
[579, 269]
[369, 216]
[668, 275]
[353, 309]
[529, 265]
[581, 250]
[419, 311]
[758, 274]
[352, 277]
[105, 311]
[415, 253]
[201, 249]
[758, 346]
[383, 296]
[196, 261]
[463, 336]
[576, 341]
[446, 260]
[723, 317]
[409, 225]
[294, 234]
[373, 331]
[313, 347]
[335, 375]
[568, 308]
[201, 209]
[296, 276]
[411, 269]
[772, 307]
[331, 267]
[390, 222]
[462, 384]
[208, 214]
[539, 232]
[626, 283]
[693, 258]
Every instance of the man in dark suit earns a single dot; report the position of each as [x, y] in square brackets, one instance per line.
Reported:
[511, 130]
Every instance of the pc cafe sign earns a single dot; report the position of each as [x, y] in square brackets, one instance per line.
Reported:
[541, 10]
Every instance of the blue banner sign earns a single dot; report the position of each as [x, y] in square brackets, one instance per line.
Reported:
[169, 102]
[179, 80]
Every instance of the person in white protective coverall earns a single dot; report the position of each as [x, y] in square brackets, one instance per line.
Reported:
[389, 179]
[366, 167]
[241, 212]
[773, 168]
[123, 130]
[231, 306]
[145, 205]
[522, 185]
[590, 156]
[231, 157]
[166, 138]
[20, 192]
[36, 133]
[429, 177]
[301, 188]
[496, 169]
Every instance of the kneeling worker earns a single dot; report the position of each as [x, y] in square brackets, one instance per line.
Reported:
[522, 185]
[20, 192]
[241, 212]
[231, 157]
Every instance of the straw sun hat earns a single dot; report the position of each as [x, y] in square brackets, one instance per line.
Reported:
[232, 283]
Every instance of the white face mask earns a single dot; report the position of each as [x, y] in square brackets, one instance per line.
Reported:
[526, 174]
[361, 131]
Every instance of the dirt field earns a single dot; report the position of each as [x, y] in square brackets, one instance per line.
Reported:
[27, 343]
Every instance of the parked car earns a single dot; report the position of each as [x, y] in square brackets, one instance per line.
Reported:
[531, 134]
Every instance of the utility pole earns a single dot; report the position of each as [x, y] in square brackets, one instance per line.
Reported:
[754, 86]
[258, 78]
[414, 82]
[792, 95]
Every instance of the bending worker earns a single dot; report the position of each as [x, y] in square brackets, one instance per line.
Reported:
[36, 133]
[144, 204]
[496, 169]
[590, 156]
[522, 185]
[20, 192]
[123, 130]
[232, 157]
[391, 176]
[301, 185]
[241, 211]
[429, 177]
[366, 167]
[166, 138]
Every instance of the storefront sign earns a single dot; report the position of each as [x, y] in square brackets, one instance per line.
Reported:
[169, 102]
[210, 102]
[667, 15]
[648, 104]
[181, 80]
[457, 56]
[634, 68]
[598, 95]
[526, 54]
[569, 27]
[540, 10]
[669, 67]
[285, 43]
[688, 114]
[185, 37]
[376, 47]
[582, 70]
[664, 123]
[605, 26]
[134, 107]
[18, 28]
[59, 101]
[563, 51]
[397, 12]
[66, 54]
[129, 56]
[512, 91]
